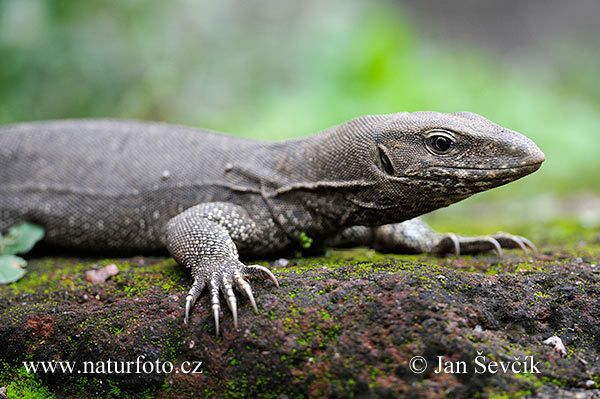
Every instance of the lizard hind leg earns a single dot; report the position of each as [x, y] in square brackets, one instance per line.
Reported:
[415, 236]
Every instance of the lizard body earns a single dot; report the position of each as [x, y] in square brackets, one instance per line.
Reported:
[142, 187]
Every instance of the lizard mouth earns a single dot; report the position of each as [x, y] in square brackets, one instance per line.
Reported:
[533, 166]
[482, 176]
[530, 161]
[488, 176]
[437, 172]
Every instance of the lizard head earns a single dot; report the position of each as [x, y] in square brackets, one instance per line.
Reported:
[426, 160]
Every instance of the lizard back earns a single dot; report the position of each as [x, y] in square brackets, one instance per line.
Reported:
[72, 176]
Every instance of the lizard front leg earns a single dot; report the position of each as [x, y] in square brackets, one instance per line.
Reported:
[203, 238]
[415, 236]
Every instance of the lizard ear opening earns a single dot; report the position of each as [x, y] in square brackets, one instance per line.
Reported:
[384, 161]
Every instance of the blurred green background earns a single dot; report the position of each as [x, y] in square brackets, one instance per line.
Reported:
[273, 69]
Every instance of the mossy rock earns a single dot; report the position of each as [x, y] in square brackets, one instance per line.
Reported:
[342, 325]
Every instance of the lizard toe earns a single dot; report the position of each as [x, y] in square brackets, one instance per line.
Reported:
[455, 243]
[529, 244]
[227, 289]
[496, 242]
[192, 297]
[468, 245]
[214, 299]
[511, 241]
[231, 274]
[243, 286]
[259, 272]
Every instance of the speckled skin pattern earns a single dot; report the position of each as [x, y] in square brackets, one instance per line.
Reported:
[141, 187]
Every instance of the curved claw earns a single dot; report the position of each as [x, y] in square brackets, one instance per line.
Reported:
[456, 243]
[517, 240]
[521, 242]
[473, 244]
[529, 244]
[244, 287]
[191, 298]
[216, 307]
[258, 270]
[216, 317]
[496, 245]
[231, 301]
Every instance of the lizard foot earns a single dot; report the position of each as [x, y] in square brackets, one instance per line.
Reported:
[415, 236]
[468, 245]
[224, 279]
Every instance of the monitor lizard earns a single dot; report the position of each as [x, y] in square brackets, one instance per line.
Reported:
[209, 199]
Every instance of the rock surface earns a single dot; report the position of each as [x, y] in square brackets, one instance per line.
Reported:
[345, 325]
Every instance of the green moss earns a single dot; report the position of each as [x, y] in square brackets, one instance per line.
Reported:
[22, 385]
[92, 388]
[237, 388]
[50, 275]
[114, 391]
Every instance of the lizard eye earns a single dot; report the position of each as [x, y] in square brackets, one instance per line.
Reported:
[440, 142]
[384, 161]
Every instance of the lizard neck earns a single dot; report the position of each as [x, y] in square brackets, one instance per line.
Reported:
[311, 181]
[333, 155]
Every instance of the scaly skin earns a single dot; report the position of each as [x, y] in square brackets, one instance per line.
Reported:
[138, 187]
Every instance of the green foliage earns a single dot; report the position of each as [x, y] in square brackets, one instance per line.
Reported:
[305, 240]
[11, 268]
[19, 240]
